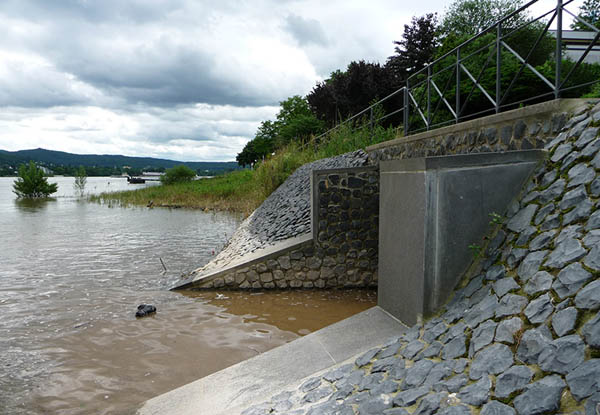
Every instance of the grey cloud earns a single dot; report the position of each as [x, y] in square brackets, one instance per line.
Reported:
[156, 62]
[40, 87]
[306, 31]
[138, 11]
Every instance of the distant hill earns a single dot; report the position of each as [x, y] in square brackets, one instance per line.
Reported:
[63, 163]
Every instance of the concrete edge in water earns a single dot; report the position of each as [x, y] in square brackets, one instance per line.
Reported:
[249, 382]
[259, 255]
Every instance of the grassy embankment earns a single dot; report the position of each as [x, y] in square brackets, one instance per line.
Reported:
[244, 190]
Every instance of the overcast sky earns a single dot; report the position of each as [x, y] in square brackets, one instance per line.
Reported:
[181, 79]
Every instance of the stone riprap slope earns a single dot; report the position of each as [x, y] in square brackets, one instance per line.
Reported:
[284, 214]
[522, 336]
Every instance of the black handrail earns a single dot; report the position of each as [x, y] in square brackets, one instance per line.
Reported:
[430, 92]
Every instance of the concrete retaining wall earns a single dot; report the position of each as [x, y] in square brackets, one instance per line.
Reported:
[432, 210]
[345, 216]
[345, 220]
[521, 129]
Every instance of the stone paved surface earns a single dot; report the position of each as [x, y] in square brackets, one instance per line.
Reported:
[283, 215]
[522, 336]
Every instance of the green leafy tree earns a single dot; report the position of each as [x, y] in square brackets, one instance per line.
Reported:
[469, 17]
[177, 174]
[80, 180]
[589, 11]
[32, 182]
[260, 146]
[295, 121]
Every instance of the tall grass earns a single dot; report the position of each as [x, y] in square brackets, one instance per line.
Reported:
[244, 190]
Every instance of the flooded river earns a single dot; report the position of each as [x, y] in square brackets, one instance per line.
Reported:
[71, 276]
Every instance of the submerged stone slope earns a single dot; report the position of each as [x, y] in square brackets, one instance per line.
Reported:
[522, 336]
[284, 214]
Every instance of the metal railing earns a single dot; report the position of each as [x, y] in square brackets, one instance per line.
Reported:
[450, 89]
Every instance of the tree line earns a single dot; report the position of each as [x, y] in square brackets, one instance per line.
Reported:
[426, 38]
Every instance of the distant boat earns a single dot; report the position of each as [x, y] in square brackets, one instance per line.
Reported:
[135, 180]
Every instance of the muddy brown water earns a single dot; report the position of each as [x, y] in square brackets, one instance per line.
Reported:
[71, 276]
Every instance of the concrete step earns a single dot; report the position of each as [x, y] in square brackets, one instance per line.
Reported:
[250, 382]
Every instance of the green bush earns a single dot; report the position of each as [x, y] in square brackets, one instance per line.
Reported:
[594, 93]
[32, 183]
[177, 174]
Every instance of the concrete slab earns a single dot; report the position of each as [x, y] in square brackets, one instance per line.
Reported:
[252, 381]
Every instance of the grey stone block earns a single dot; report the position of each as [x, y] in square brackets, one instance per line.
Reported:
[507, 328]
[581, 174]
[561, 151]
[592, 405]
[531, 264]
[579, 213]
[591, 331]
[522, 219]
[573, 197]
[540, 282]
[540, 397]
[571, 278]
[566, 251]
[412, 349]
[589, 296]
[496, 408]
[542, 241]
[482, 336]
[563, 355]
[476, 393]
[592, 259]
[456, 410]
[585, 379]
[505, 285]
[481, 311]
[410, 396]
[512, 380]
[563, 321]
[416, 374]
[494, 359]
[510, 304]
[539, 309]
[532, 343]
[366, 357]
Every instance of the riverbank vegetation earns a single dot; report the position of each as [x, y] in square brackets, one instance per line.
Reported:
[298, 135]
[243, 191]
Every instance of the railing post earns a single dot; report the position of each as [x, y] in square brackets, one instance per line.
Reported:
[406, 109]
[457, 116]
[371, 121]
[559, 11]
[428, 96]
[498, 66]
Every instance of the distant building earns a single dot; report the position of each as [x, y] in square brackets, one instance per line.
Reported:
[576, 42]
[46, 170]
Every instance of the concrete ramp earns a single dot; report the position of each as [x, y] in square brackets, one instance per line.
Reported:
[250, 382]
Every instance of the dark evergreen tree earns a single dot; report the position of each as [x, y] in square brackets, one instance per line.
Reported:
[416, 48]
[347, 93]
